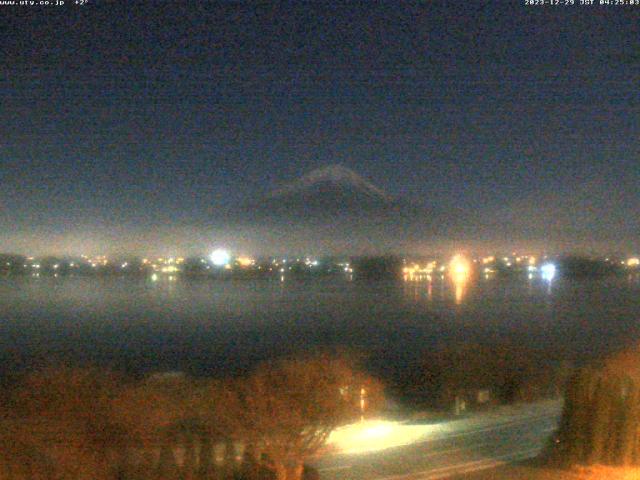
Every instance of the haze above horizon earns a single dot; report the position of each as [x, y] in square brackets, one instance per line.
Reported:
[376, 128]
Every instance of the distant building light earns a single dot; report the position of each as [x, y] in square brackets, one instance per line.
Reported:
[459, 266]
[548, 271]
[245, 261]
[633, 262]
[220, 257]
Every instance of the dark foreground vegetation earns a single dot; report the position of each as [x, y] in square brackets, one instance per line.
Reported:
[471, 376]
[599, 433]
[601, 418]
[64, 423]
[74, 424]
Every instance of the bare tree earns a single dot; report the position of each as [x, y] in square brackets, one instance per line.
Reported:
[287, 409]
[77, 424]
[162, 416]
[59, 425]
[600, 421]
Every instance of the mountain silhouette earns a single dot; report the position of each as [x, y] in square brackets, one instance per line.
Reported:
[335, 209]
[329, 193]
[331, 178]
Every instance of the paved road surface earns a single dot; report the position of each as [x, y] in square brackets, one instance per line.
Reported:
[405, 451]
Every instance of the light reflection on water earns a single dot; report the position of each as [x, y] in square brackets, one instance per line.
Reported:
[220, 325]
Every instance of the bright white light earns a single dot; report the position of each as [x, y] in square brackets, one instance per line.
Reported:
[548, 271]
[220, 257]
[376, 435]
[154, 277]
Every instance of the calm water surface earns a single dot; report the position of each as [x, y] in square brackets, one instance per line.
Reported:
[218, 327]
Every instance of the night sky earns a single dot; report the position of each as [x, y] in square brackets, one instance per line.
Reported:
[124, 125]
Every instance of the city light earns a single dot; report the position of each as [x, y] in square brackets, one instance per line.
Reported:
[459, 270]
[548, 271]
[220, 257]
[416, 272]
[245, 261]
[633, 262]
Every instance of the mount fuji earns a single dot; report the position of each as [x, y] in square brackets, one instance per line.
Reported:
[334, 209]
[333, 192]
[333, 177]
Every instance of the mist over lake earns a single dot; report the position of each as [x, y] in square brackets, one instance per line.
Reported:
[223, 327]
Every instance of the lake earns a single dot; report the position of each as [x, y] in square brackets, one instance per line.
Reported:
[218, 327]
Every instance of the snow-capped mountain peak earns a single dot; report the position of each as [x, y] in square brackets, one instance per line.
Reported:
[334, 175]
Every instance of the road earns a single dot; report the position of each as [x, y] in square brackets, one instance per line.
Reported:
[413, 451]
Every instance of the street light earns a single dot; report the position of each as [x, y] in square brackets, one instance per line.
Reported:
[220, 257]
